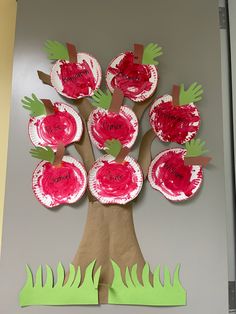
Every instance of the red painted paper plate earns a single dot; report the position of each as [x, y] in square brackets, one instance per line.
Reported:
[77, 80]
[171, 123]
[104, 125]
[65, 126]
[115, 183]
[55, 185]
[168, 174]
[137, 81]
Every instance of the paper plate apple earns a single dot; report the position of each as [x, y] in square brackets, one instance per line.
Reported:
[74, 75]
[135, 73]
[115, 178]
[111, 120]
[177, 172]
[175, 118]
[57, 180]
[52, 123]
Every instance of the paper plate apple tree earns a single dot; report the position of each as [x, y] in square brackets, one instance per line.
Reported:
[111, 123]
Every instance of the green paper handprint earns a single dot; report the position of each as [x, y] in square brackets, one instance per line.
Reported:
[56, 50]
[150, 53]
[195, 148]
[101, 99]
[113, 147]
[43, 153]
[34, 105]
[192, 94]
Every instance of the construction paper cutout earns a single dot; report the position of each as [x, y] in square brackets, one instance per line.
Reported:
[122, 154]
[56, 50]
[45, 78]
[53, 185]
[74, 291]
[169, 175]
[77, 80]
[49, 107]
[34, 105]
[115, 183]
[65, 126]
[175, 95]
[117, 100]
[72, 51]
[59, 155]
[113, 147]
[192, 94]
[43, 153]
[194, 153]
[138, 53]
[104, 125]
[150, 53]
[174, 123]
[137, 81]
[133, 292]
[101, 99]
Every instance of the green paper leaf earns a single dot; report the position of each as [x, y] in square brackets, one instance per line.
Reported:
[101, 99]
[34, 105]
[56, 50]
[150, 53]
[113, 147]
[195, 148]
[43, 153]
[136, 294]
[192, 94]
[70, 293]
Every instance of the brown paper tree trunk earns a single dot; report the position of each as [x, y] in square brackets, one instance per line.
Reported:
[109, 234]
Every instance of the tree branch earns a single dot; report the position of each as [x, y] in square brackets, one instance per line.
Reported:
[84, 106]
[140, 107]
[145, 155]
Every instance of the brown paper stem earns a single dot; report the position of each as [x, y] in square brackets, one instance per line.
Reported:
[138, 53]
[122, 154]
[72, 51]
[140, 107]
[145, 155]
[48, 106]
[175, 95]
[200, 160]
[45, 78]
[117, 100]
[84, 106]
[59, 154]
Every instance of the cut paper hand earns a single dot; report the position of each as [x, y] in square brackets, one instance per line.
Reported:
[175, 118]
[132, 291]
[56, 50]
[112, 120]
[150, 53]
[194, 153]
[57, 180]
[57, 291]
[34, 105]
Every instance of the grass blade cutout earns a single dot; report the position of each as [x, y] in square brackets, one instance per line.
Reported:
[43, 153]
[73, 292]
[34, 105]
[56, 50]
[101, 99]
[191, 95]
[150, 53]
[133, 292]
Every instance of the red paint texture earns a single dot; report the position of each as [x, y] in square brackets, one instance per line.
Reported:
[109, 125]
[174, 178]
[133, 79]
[61, 183]
[77, 79]
[175, 123]
[116, 180]
[58, 127]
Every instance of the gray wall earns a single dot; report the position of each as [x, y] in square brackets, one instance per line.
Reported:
[191, 233]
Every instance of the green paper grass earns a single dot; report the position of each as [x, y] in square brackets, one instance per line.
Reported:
[133, 292]
[74, 291]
